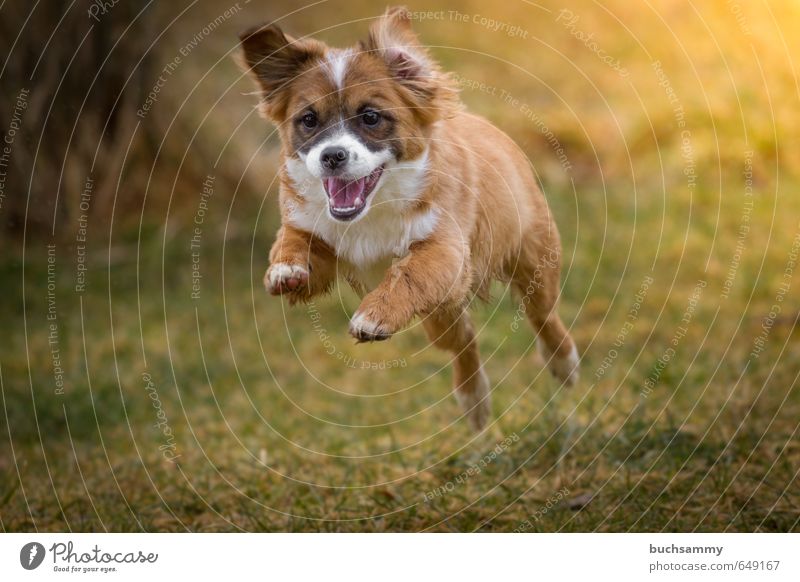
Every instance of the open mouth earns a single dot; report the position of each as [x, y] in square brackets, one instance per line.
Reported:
[347, 198]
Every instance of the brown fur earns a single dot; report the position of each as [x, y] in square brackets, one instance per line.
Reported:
[494, 221]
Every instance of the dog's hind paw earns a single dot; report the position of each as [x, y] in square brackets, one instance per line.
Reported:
[566, 368]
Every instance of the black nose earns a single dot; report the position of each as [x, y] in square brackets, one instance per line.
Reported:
[333, 157]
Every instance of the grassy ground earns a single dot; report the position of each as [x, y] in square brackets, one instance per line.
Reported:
[230, 411]
[273, 432]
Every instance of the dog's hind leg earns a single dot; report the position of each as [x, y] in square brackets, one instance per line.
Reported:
[453, 331]
[557, 347]
[539, 287]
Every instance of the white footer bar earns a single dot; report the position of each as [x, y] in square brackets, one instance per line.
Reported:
[401, 557]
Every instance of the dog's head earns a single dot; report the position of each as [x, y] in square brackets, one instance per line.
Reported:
[347, 117]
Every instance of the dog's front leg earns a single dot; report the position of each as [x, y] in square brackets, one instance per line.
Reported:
[435, 273]
[301, 265]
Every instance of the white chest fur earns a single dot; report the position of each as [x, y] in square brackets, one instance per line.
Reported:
[382, 233]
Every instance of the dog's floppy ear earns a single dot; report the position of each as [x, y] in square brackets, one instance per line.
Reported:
[392, 38]
[274, 59]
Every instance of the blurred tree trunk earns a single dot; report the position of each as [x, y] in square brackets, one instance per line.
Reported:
[74, 76]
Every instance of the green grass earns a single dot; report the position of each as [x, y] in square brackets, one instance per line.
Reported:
[273, 433]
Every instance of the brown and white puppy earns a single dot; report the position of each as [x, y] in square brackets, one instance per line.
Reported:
[419, 205]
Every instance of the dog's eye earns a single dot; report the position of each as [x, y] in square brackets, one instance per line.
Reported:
[309, 120]
[371, 118]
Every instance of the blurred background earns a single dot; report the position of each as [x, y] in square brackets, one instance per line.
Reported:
[148, 382]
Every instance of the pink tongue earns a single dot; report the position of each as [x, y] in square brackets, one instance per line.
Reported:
[343, 194]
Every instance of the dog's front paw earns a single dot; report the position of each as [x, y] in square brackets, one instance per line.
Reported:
[367, 329]
[284, 278]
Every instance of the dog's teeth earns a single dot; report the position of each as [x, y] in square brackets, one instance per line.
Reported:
[358, 201]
